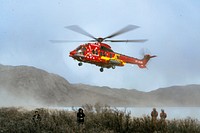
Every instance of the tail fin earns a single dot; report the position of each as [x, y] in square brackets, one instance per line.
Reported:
[145, 60]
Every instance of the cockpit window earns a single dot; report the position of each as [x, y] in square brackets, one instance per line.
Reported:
[106, 49]
[81, 49]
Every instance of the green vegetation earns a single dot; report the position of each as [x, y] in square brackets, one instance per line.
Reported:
[98, 120]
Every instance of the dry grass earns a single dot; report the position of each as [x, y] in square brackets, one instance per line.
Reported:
[98, 120]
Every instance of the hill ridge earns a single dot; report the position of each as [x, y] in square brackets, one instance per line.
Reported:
[27, 85]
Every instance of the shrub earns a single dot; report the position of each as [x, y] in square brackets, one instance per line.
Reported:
[99, 119]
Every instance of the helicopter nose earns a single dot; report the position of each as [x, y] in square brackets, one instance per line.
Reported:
[72, 53]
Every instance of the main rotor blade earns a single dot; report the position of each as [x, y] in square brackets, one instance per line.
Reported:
[65, 41]
[78, 29]
[123, 30]
[141, 40]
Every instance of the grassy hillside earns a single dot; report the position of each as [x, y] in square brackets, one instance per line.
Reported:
[98, 120]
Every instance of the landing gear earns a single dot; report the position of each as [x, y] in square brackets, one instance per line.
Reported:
[80, 64]
[113, 67]
[101, 69]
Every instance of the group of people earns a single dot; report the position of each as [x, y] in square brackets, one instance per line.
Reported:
[37, 118]
[163, 116]
[81, 116]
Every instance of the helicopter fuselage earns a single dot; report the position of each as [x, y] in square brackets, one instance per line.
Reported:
[102, 55]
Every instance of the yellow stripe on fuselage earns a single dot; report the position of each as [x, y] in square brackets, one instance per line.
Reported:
[116, 57]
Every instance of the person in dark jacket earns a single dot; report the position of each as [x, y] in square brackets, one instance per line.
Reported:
[37, 122]
[80, 116]
[36, 117]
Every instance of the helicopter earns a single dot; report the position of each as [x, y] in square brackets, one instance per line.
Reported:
[97, 52]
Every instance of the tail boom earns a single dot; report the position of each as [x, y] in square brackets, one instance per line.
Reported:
[140, 62]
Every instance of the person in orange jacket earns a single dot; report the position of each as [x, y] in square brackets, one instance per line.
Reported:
[154, 115]
[163, 117]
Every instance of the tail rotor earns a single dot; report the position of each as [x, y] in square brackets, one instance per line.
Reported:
[146, 55]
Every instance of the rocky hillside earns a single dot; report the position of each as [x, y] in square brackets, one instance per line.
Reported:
[26, 86]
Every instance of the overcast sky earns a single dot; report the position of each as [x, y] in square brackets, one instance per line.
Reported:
[171, 27]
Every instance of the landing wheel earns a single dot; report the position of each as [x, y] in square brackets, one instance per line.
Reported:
[101, 69]
[113, 67]
[80, 64]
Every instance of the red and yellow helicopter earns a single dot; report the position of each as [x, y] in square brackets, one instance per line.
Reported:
[99, 53]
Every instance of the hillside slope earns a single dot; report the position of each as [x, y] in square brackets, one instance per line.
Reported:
[25, 86]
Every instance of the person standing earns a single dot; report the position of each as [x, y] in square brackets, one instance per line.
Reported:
[37, 119]
[80, 119]
[163, 117]
[80, 116]
[154, 115]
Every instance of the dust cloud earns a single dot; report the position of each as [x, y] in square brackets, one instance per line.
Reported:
[9, 100]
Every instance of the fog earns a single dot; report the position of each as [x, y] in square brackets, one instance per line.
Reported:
[9, 100]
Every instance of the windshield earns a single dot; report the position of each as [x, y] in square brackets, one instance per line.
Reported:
[80, 49]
